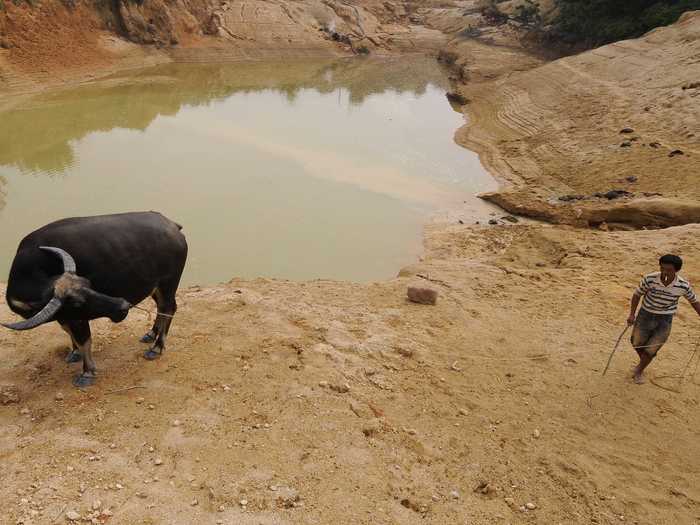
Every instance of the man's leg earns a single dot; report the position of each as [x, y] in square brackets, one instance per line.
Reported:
[646, 355]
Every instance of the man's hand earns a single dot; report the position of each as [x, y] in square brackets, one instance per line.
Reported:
[631, 319]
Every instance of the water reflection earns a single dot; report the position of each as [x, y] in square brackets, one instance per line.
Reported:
[297, 170]
[36, 137]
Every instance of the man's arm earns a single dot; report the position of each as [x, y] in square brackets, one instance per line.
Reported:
[635, 302]
[696, 306]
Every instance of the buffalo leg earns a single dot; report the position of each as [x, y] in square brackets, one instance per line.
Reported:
[80, 331]
[167, 306]
[74, 355]
[152, 334]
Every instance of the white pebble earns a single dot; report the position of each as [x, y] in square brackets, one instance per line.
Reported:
[454, 494]
[158, 461]
[72, 515]
[536, 433]
[530, 506]
[96, 505]
[177, 423]
[243, 502]
[59, 396]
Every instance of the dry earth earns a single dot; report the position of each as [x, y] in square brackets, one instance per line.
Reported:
[323, 402]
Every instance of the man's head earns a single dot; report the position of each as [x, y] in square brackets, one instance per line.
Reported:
[670, 265]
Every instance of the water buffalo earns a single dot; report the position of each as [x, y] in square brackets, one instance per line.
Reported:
[75, 270]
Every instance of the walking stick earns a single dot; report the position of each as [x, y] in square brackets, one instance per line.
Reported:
[615, 349]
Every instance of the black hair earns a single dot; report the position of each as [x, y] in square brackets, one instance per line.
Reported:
[676, 261]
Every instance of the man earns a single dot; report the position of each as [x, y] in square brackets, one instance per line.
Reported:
[661, 291]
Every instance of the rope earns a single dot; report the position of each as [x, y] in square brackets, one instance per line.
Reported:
[158, 314]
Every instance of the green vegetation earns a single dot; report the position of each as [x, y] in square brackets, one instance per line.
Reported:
[597, 22]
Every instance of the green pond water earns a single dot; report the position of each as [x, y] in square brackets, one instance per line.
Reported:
[299, 170]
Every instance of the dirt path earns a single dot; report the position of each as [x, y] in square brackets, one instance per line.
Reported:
[323, 402]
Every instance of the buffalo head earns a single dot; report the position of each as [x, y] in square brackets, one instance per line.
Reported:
[72, 298]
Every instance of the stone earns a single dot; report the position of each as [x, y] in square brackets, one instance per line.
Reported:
[569, 198]
[530, 506]
[676, 152]
[454, 494]
[194, 502]
[243, 502]
[177, 423]
[654, 145]
[140, 400]
[158, 461]
[626, 130]
[323, 384]
[463, 412]
[536, 433]
[59, 396]
[493, 222]
[626, 144]
[420, 295]
[341, 389]
[96, 505]
[71, 515]
[509, 501]
[9, 395]
[510, 218]
[631, 178]
[457, 98]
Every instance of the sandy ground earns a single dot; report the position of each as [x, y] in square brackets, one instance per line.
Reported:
[323, 402]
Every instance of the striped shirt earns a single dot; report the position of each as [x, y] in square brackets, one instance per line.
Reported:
[662, 299]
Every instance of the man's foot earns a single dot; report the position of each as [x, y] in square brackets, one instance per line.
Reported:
[84, 380]
[639, 378]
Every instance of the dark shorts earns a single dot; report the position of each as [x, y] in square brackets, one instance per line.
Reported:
[651, 331]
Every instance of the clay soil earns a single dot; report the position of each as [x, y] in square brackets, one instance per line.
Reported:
[324, 402]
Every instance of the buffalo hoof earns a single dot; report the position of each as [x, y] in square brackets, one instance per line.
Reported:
[83, 380]
[74, 357]
[152, 354]
[149, 337]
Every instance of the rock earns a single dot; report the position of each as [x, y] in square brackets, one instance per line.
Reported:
[569, 198]
[626, 144]
[654, 145]
[676, 152]
[372, 428]
[510, 218]
[140, 400]
[626, 130]
[509, 501]
[71, 515]
[243, 502]
[691, 85]
[457, 98]
[59, 396]
[463, 412]
[493, 222]
[9, 395]
[341, 389]
[406, 352]
[96, 505]
[158, 461]
[422, 295]
[631, 178]
[454, 494]
[530, 506]
[194, 502]
[614, 194]
[177, 423]
[536, 433]
[323, 384]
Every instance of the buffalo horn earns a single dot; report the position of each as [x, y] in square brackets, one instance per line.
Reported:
[42, 317]
[68, 262]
